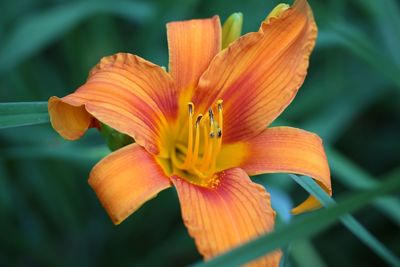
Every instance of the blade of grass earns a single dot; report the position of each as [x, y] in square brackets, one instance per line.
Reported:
[354, 177]
[301, 228]
[349, 221]
[304, 254]
[23, 113]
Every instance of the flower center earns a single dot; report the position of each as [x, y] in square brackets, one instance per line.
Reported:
[196, 159]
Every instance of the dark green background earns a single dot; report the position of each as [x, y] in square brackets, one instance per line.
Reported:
[50, 217]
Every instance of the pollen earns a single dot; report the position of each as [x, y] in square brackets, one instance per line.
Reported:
[197, 155]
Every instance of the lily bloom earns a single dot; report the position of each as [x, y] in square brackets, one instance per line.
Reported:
[202, 126]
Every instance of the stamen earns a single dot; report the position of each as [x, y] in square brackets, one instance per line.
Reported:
[207, 157]
[191, 107]
[200, 164]
[210, 148]
[211, 116]
[190, 137]
[199, 117]
[206, 147]
[219, 132]
[219, 105]
[197, 140]
[217, 143]
[220, 123]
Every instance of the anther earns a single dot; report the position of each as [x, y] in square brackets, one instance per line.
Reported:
[211, 115]
[219, 105]
[219, 133]
[206, 131]
[199, 117]
[190, 105]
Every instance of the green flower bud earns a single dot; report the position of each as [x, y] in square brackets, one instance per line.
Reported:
[232, 29]
[277, 11]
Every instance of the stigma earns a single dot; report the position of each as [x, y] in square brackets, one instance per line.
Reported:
[198, 156]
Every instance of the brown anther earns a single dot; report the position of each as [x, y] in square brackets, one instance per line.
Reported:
[190, 105]
[219, 105]
[219, 133]
[211, 115]
[198, 120]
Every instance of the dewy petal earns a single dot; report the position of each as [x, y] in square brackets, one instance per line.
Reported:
[258, 75]
[126, 179]
[289, 150]
[127, 93]
[236, 210]
[192, 45]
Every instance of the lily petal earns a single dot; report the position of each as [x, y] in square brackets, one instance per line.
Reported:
[289, 150]
[258, 75]
[192, 45]
[70, 121]
[236, 210]
[126, 179]
[126, 92]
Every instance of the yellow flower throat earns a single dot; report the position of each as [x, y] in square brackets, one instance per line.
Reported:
[196, 159]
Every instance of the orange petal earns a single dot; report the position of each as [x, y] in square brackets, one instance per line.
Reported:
[289, 150]
[192, 45]
[258, 75]
[236, 210]
[126, 179]
[127, 93]
[70, 121]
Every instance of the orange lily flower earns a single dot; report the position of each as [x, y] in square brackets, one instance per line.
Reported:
[201, 127]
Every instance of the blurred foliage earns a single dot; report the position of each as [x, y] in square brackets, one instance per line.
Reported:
[50, 216]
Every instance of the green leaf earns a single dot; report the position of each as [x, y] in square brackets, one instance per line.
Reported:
[23, 113]
[38, 31]
[354, 177]
[304, 254]
[349, 221]
[302, 227]
[64, 151]
[386, 14]
[367, 50]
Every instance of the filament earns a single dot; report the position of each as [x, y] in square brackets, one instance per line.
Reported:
[205, 131]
